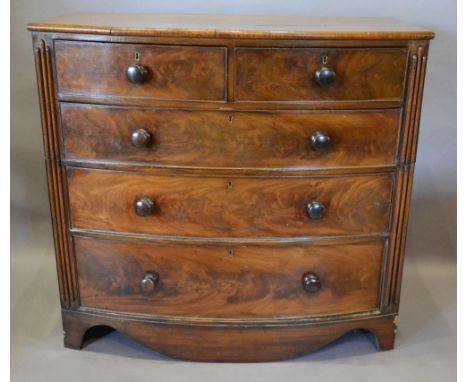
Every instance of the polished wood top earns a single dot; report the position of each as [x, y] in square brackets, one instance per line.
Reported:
[231, 26]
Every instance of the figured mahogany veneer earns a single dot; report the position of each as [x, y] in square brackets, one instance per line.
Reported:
[174, 72]
[290, 74]
[229, 188]
[230, 139]
[233, 207]
[230, 281]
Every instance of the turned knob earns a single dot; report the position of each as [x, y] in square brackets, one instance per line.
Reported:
[320, 141]
[137, 74]
[325, 76]
[141, 138]
[311, 282]
[315, 210]
[149, 282]
[144, 206]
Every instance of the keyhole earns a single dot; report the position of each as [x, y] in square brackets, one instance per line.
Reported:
[324, 59]
[230, 185]
[137, 56]
[230, 252]
[230, 118]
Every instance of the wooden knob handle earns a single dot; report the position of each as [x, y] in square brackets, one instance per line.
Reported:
[325, 76]
[311, 282]
[149, 282]
[315, 210]
[144, 206]
[137, 74]
[320, 141]
[141, 138]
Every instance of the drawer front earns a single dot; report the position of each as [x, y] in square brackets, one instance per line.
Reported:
[214, 281]
[173, 72]
[230, 139]
[290, 74]
[236, 207]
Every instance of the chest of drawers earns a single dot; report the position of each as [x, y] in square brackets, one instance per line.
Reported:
[228, 188]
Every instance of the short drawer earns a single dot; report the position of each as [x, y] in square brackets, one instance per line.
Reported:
[298, 74]
[229, 207]
[235, 282]
[172, 72]
[304, 139]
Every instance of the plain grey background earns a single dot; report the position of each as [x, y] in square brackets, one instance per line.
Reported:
[426, 342]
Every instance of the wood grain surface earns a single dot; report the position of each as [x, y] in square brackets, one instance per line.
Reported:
[227, 343]
[175, 72]
[239, 281]
[55, 173]
[231, 26]
[230, 104]
[289, 74]
[230, 139]
[229, 207]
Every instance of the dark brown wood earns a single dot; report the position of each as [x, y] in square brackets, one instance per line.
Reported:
[290, 74]
[101, 99]
[320, 141]
[311, 282]
[325, 76]
[234, 282]
[315, 209]
[137, 74]
[196, 240]
[141, 138]
[55, 174]
[230, 139]
[402, 198]
[154, 168]
[174, 73]
[235, 192]
[231, 343]
[149, 282]
[144, 207]
[238, 207]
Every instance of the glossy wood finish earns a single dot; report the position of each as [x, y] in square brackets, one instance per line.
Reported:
[174, 73]
[229, 150]
[239, 281]
[228, 343]
[232, 26]
[230, 139]
[289, 74]
[237, 207]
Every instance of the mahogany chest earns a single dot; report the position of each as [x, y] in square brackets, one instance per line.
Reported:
[227, 188]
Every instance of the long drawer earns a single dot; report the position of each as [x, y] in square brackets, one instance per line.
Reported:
[234, 282]
[312, 139]
[171, 72]
[320, 74]
[235, 207]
